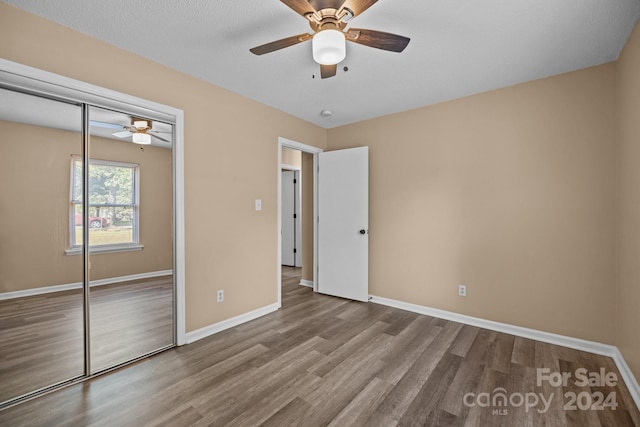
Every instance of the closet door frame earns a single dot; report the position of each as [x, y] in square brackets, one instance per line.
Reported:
[22, 78]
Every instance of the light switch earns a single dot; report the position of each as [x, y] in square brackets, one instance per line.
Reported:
[258, 204]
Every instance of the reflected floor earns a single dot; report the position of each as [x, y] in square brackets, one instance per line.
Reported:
[41, 337]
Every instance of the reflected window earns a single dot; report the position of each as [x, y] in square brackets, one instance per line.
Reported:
[113, 203]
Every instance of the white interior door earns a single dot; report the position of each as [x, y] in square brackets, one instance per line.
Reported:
[288, 220]
[343, 223]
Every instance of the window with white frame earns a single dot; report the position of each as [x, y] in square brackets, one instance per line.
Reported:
[113, 204]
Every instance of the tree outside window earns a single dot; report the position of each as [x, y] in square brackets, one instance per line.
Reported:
[113, 203]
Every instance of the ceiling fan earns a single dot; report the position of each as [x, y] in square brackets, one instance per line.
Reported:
[328, 19]
[140, 130]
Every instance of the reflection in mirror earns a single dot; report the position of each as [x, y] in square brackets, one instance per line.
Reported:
[41, 297]
[130, 236]
[129, 226]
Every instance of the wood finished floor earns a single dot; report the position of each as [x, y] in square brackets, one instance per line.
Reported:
[41, 336]
[327, 361]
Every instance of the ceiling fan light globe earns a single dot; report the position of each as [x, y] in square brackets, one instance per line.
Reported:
[141, 124]
[329, 47]
[141, 138]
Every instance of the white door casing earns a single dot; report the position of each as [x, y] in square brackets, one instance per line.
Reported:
[343, 223]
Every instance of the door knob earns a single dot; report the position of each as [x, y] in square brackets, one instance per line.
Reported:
[363, 231]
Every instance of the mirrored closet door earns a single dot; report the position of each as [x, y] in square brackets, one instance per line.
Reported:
[86, 240]
[131, 242]
[41, 292]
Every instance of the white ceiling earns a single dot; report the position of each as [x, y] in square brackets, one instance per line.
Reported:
[457, 48]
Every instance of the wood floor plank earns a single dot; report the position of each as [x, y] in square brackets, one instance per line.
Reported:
[523, 352]
[585, 418]
[358, 411]
[400, 359]
[337, 335]
[463, 341]
[546, 356]
[500, 360]
[522, 379]
[423, 410]
[468, 376]
[185, 417]
[289, 415]
[270, 405]
[180, 393]
[399, 322]
[346, 351]
[401, 396]
[232, 400]
[363, 360]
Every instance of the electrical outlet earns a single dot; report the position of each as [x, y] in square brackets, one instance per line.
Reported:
[220, 295]
[462, 290]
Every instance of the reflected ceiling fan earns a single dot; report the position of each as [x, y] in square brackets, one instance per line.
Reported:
[328, 19]
[140, 130]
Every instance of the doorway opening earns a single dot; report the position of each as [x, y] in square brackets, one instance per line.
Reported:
[341, 244]
[297, 190]
[291, 206]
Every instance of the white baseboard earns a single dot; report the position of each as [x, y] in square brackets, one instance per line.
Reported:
[201, 333]
[627, 376]
[307, 283]
[78, 285]
[561, 340]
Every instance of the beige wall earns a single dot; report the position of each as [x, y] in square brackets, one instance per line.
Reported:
[35, 167]
[510, 192]
[224, 234]
[291, 157]
[628, 310]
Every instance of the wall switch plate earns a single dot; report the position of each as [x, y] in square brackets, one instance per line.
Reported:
[258, 204]
[462, 290]
[220, 296]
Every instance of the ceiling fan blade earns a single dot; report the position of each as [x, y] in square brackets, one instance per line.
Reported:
[105, 125]
[301, 7]
[378, 39]
[280, 44]
[359, 6]
[123, 134]
[161, 138]
[158, 131]
[327, 71]
[326, 4]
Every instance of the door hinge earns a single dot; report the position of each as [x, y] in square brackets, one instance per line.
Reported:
[295, 251]
[295, 181]
[295, 216]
